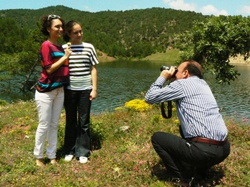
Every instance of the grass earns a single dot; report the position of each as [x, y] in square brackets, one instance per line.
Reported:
[119, 158]
[171, 55]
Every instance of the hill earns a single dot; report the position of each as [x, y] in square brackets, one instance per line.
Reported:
[133, 33]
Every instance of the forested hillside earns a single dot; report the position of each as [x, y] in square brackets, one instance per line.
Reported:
[210, 40]
[133, 33]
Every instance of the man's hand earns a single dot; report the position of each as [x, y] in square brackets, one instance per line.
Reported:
[168, 74]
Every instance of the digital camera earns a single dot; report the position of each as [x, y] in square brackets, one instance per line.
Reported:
[168, 68]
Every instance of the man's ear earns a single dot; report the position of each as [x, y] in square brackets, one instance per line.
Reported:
[185, 74]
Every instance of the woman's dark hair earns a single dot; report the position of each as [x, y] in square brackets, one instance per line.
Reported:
[68, 29]
[194, 68]
[46, 22]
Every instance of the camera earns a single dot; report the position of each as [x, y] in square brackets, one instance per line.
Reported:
[169, 103]
[168, 68]
[165, 68]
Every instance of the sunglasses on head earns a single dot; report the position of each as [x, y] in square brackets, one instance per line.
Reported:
[53, 17]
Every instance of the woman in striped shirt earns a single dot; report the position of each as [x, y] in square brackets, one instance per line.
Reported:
[79, 94]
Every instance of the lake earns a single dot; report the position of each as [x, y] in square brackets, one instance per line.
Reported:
[122, 81]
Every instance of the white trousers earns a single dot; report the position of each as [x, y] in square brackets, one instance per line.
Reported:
[49, 105]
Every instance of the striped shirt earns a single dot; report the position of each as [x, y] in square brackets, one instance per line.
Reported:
[83, 56]
[50, 54]
[197, 108]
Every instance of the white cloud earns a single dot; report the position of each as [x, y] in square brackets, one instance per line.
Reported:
[245, 10]
[206, 10]
[86, 8]
[180, 5]
[210, 9]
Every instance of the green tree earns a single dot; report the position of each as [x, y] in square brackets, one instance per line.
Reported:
[20, 68]
[10, 33]
[154, 27]
[212, 44]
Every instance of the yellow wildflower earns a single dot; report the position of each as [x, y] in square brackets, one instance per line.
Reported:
[177, 121]
[138, 105]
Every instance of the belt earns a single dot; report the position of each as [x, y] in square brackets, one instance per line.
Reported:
[207, 141]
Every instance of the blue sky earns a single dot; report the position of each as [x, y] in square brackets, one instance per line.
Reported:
[206, 7]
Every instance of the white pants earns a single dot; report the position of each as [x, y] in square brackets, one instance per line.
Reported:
[49, 105]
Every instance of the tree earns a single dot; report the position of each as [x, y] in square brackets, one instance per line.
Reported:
[10, 33]
[214, 42]
[154, 26]
[20, 68]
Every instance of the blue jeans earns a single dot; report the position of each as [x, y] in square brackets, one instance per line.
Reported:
[77, 134]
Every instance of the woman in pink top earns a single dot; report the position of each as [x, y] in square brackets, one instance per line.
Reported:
[49, 95]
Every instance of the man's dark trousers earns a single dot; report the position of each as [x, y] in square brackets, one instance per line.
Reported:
[179, 155]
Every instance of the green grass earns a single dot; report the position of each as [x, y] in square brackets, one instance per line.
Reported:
[118, 159]
[171, 55]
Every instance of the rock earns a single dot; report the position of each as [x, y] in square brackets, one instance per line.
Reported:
[123, 129]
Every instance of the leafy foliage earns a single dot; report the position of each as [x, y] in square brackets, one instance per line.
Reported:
[212, 43]
[10, 34]
[20, 67]
[133, 33]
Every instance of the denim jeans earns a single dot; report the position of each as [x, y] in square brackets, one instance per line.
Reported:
[77, 134]
[180, 156]
[49, 105]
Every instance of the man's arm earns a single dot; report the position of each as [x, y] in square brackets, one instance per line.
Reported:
[154, 94]
[158, 94]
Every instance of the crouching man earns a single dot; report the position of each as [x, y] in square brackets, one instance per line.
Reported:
[204, 134]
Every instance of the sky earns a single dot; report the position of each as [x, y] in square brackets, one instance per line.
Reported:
[206, 7]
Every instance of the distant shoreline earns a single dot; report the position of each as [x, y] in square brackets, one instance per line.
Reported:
[172, 56]
[239, 61]
[240, 64]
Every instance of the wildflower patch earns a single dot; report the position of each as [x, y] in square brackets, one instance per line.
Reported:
[138, 105]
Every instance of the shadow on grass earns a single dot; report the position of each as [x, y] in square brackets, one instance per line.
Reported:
[95, 145]
[160, 172]
[211, 178]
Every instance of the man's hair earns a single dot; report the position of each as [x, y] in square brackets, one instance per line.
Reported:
[194, 68]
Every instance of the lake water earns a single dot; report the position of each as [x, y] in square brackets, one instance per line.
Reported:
[122, 81]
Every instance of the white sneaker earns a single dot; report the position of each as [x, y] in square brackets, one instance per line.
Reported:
[68, 158]
[83, 159]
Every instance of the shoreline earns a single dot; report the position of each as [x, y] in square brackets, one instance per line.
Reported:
[235, 61]
[239, 61]
[240, 64]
